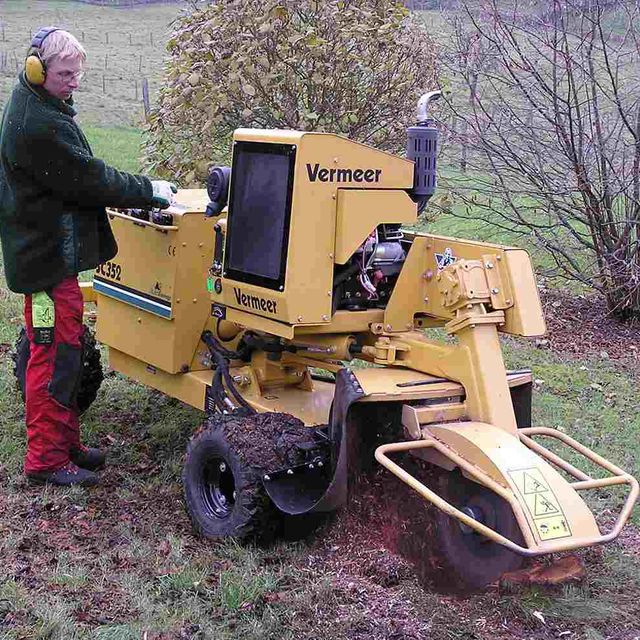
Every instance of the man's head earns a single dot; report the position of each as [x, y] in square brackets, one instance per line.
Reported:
[63, 58]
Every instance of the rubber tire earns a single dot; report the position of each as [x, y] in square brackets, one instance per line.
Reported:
[90, 379]
[469, 560]
[251, 516]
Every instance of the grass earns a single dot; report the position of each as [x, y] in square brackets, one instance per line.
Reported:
[591, 401]
[69, 575]
[119, 147]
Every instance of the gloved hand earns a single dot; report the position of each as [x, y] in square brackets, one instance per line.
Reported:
[163, 193]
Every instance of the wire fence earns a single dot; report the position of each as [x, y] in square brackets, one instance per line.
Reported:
[127, 66]
[105, 37]
[127, 87]
[423, 5]
[128, 3]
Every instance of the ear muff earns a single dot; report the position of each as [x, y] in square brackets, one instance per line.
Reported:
[35, 69]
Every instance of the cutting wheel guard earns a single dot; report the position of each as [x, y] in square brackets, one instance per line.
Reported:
[301, 493]
[584, 482]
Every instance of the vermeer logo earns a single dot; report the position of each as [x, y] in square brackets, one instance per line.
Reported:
[254, 302]
[316, 172]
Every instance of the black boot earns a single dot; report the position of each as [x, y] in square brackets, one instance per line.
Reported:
[68, 475]
[88, 458]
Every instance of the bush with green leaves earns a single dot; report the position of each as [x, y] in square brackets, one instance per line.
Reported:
[353, 67]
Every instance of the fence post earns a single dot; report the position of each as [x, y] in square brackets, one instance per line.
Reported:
[145, 97]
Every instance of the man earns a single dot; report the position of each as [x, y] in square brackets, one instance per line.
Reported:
[53, 225]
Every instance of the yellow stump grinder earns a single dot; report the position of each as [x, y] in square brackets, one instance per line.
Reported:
[290, 314]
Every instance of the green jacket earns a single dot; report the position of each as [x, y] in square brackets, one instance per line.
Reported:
[53, 193]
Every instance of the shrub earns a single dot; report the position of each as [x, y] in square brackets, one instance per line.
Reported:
[353, 67]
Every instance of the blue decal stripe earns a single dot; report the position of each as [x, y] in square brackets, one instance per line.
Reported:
[134, 299]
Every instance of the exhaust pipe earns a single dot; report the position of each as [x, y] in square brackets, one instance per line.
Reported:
[422, 148]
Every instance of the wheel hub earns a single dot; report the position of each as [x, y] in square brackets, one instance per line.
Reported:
[218, 488]
[481, 510]
[473, 512]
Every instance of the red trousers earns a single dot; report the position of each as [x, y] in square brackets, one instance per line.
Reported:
[52, 378]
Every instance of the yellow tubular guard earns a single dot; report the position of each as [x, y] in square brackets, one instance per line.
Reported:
[584, 482]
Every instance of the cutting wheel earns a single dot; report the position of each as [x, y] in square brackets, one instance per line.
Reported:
[473, 560]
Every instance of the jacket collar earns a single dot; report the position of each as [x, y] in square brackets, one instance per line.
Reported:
[66, 106]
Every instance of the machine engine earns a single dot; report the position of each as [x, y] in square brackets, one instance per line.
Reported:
[367, 280]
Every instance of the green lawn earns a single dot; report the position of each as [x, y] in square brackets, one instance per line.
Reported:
[118, 147]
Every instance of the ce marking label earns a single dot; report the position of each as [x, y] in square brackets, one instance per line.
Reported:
[171, 250]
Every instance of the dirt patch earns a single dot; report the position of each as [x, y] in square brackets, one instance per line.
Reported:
[630, 539]
[380, 548]
[582, 326]
[381, 552]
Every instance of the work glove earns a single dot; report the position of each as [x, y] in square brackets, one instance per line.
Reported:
[163, 193]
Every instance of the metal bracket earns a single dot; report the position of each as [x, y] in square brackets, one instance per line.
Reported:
[316, 464]
[385, 351]
[474, 281]
[499, 286]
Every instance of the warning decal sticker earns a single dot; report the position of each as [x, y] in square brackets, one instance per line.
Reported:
[541, 503]
[445, 259]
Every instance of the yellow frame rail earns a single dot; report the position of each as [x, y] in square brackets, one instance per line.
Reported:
[140, 222]
[586, 482]
[533, 549]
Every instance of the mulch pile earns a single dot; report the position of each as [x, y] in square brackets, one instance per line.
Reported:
[582, 326]
[383, 514]
[269, 441]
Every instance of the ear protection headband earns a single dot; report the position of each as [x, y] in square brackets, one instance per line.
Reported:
[34, 67]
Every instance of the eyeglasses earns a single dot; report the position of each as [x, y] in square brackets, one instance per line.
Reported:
[67, 76]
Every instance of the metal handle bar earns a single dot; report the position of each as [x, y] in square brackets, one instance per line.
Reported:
[142, 223]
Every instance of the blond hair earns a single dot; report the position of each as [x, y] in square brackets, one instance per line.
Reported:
[61, 44]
